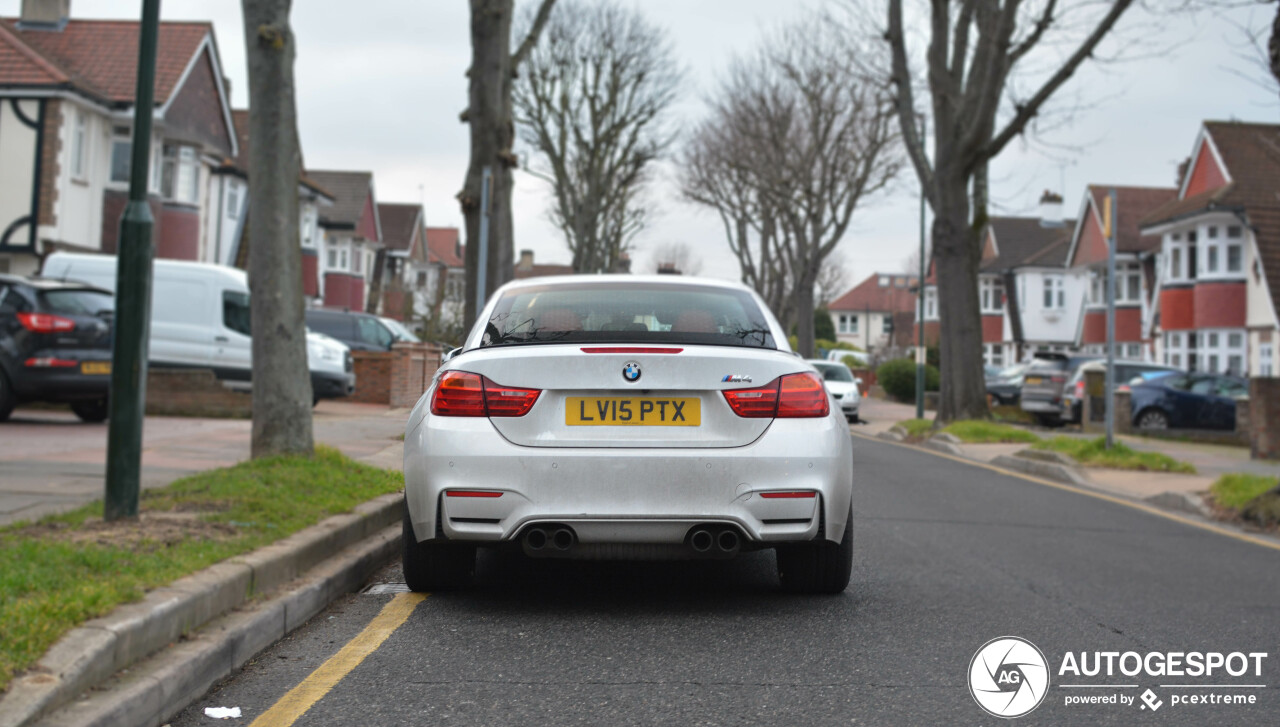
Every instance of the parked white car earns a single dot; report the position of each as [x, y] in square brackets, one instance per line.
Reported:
[842, 384]
[200, 319]
[627, 417]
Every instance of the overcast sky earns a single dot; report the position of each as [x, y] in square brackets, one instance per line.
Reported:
[381, 83]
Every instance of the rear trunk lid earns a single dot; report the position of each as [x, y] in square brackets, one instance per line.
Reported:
[629, 396]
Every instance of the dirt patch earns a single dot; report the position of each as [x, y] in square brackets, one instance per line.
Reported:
[151, 530]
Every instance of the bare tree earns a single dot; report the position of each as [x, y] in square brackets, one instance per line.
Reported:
[676, 254]
[1273, 47]
[833, 278]
[282, 395]
[591, 102]
[977, 106]
[489, 114]
[799, 138]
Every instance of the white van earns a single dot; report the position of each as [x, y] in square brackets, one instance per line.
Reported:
[200, 319]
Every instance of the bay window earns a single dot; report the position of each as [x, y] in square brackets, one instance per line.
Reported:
[79, 146]
[930, 304]
[1221, 351]
[180, 173]
[120, 153]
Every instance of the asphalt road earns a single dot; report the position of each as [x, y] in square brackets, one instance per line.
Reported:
[948, 557]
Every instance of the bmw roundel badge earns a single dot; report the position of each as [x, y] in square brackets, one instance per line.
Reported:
[631, 371]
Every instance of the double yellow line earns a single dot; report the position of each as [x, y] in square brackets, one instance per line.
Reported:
[301, 698]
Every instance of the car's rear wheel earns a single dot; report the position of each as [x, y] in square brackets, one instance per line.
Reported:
[819, 567]
[92, 410]
[435, 566]
[7, 400]
[1153, 419]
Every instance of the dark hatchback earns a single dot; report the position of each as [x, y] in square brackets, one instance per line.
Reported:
[55, 345]
[1193, 401]
[360, 331]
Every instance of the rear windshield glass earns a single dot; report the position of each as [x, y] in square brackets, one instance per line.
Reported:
[835, 372]
[627, 313]
[76, 302]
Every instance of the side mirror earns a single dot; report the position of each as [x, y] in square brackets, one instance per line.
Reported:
[858, 380]
[451, 354]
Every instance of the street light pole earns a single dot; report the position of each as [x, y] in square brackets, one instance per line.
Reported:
[1110, 406]
[482, 264]
[128, 395]
[920, 349]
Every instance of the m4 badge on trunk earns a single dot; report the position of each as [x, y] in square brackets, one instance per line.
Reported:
[736, 379]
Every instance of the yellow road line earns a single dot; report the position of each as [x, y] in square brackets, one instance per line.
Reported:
[293, 705]
[1273, 545]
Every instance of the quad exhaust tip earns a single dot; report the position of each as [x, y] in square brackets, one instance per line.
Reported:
[535, 539]
[715, 541]
[562, 539]
[701, 540]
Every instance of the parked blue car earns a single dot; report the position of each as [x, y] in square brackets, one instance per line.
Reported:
[1193, 401]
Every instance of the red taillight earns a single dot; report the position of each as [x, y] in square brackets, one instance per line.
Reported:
[45, 323]
[472, 493]
[629, 349]
[1080, 389]
[1058, 378]
[787, 495]
[50, 363]
[786, 397]
[464, 394]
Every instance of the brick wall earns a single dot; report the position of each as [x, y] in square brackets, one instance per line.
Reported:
[373, 377]
[1264, 418]
[411, 373]
[194, 393]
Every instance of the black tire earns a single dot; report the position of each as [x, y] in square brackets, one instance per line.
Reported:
[818, 567]
[1152, 419]
[435, 565]
[91, 410]
[7, 399]
[1051, 421]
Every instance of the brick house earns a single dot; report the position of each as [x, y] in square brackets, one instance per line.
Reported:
[352, 233]
[868, 315]
[1136, 254]
[402, 267]
[1218, 270]
[446, 281]
[66, 112]
[525, 267]
[1028, 298]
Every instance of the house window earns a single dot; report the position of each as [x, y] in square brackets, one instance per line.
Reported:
[1128, 283]
[79, 142]
[930, 304]
[120, 147]
[357, 260]
[1266, 365]
[886, 325]
[1175, 262]
[1179, 350]
[991, 295]
[848, 323]
[1096, 296]
[1221, 352]
[1132, 351]
[993, 354]
[180, 174]
[342, 258]
[308, 228]
[1055, 297]
[884, 281]
[1235, 258]
[233, 199]
[422, 279]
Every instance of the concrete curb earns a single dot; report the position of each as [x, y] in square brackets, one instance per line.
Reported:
[163, 685]
[88, 655]
[938, 444]
[1040, 468]
[1182, 501]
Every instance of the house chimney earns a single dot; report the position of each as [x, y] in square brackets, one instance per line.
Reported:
[526, 260]
[622, 264]
[668, 269]
[44, 14]
[1050, 209]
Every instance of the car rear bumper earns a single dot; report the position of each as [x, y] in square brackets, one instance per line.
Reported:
[326, 385]
[628, 496]
[1040, 406]
[33, 383]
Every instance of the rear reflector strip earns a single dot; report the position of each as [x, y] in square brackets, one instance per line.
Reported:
[629, 349]
[50, 363]
[787, 495]
[472, 493]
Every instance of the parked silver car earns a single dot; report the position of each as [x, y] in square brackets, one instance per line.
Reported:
[842, 384]
[627, 417]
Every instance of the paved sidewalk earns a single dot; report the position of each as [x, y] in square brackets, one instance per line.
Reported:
[52, 462]
[1210, 460]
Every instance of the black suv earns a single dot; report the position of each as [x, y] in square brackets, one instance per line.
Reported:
[55, 345]
[360, 331]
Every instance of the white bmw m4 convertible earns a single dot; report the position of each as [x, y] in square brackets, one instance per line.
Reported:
[622, 417]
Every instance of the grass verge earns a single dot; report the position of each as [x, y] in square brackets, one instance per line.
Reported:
[977, 431]
[916, 428]
[1094, 452]
[1238, 489]
[67, 569]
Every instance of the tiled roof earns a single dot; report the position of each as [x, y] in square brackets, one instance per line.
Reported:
[869, 295]
[398, 222]
[1132, 205]
[442, 246]
[1026, 241]
[350, 191]
[99, 57]
[1251, 155]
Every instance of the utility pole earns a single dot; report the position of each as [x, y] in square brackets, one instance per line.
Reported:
[1109, 229]
[921, 359]
[128, 396]
[482, 266]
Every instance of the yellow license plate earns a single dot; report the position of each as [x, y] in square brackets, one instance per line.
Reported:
[1033, 380]
[632, 411]
[95, 367]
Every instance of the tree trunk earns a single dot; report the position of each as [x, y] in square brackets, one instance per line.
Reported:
[803, 306]
[492, 134]
[282, 395]
[956, 256]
